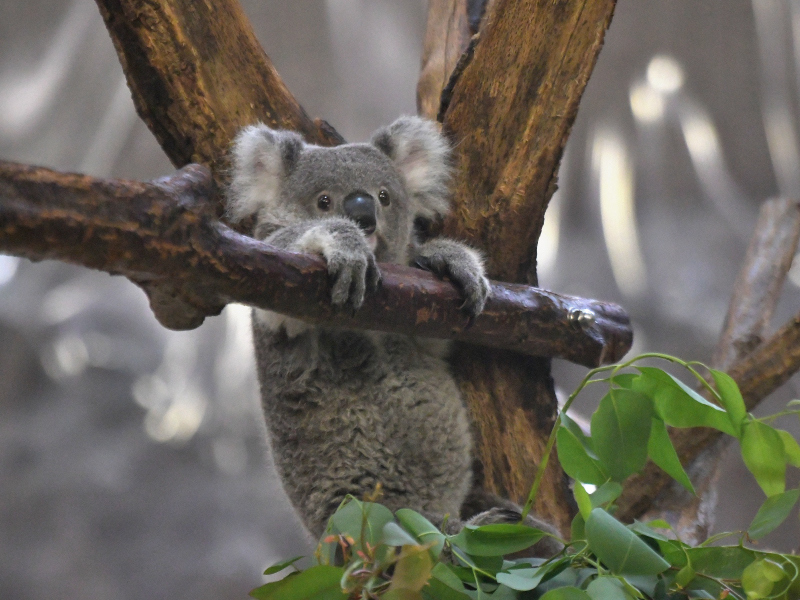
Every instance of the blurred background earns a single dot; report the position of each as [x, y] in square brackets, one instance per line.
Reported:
[132, 458]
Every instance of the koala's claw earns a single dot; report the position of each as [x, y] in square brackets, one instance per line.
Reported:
[352, 275]
[462, 266]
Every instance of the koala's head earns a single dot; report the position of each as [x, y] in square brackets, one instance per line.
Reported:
[384, 185]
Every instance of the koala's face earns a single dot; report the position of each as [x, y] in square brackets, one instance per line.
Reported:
[402, 174]
[356, 181]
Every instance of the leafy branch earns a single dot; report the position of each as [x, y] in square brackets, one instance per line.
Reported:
[377, 554]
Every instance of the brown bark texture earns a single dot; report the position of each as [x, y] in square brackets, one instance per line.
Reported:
[758, 366]
[508, 107]
[197, 74]
[165, 237]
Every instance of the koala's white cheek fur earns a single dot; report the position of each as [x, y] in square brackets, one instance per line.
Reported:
[274, 321]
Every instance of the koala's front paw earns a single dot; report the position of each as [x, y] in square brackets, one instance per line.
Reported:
[351, 263]
[462, 265]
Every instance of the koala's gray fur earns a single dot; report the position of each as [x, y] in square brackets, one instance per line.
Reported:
[346, 409]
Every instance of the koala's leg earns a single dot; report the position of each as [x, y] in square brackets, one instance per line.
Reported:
[459, 263]
[351, 263]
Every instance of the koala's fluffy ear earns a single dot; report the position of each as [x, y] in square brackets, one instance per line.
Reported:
[262, 158]
[422, 155]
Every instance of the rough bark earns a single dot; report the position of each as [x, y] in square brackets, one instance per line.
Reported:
[759, 367]
[760, 281]
[509, 105]
[165, 237]
[197, 74]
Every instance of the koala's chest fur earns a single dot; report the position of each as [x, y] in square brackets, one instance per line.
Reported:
[347, 410]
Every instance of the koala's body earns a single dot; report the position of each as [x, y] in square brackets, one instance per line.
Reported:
[348, 409]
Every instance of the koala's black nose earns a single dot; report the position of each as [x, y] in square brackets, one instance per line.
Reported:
[360, 207]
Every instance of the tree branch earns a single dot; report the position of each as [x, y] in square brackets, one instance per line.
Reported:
[165, 237]
[198, 74]
[758, 368]
[509, 106]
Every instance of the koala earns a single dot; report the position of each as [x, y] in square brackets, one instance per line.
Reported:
[347, 410]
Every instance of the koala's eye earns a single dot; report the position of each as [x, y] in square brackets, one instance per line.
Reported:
[324, 202]
[383, 196]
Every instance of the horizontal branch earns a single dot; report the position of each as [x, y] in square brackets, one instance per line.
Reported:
[165, 237]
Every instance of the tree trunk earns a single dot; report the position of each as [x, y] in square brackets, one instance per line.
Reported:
[508, 107]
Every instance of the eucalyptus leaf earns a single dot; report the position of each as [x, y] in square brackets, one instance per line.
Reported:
[278, 567]
[772, 513]
[394, 535]
[680, 406]
[566, 593]
[422, 529]
[723, 562]
[354, 515]
[759, 578]
[522, 580]
[731, 398]
[576, 461]
[607, 588]
[321, 582]
[605, 494]
[618, 435]
[619, 548]
[647, 530]
[790, 447]
[624, 380]
[582, 499]
[412, 569]
[496, 539]
[662, 452]
[577, 431]
[764, 455]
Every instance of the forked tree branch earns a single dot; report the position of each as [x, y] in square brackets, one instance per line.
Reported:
[165, 237]
[758, 366]
[198, 74]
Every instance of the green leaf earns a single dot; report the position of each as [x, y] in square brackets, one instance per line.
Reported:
[619, 548]
[685, 576]
[354, 515]
[582, 499]
[605, 494]
[436, 590]
[401, 594]
[765, 457]
[680, 406]
[578, 528]
[566, 593]
[618, 435]
[394, 535]
[759, 578]
[662, 452]
[607, 588]
[647, 529]
[522, 580]
[496, 539]
[577, 431]
[412, 569]
[624, 380]
[322, 582]
[731, 399]
[576, 461]
[422, 529]
[278, 567]
[790, 447]
[772, 513]
[722, 562]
